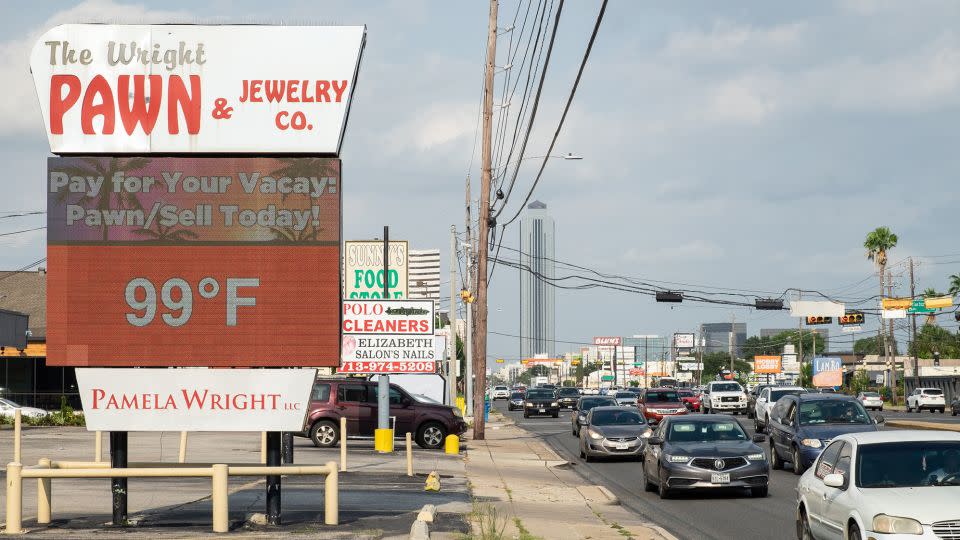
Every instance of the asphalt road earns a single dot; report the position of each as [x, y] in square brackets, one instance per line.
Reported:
[696, 515]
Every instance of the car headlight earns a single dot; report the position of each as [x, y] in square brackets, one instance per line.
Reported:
[647, 434]
[678, 459]
[554, 404]
[682, 409]
[812, 443]
[527, 404]
[757, 457]
[883, 523]
[594, 435]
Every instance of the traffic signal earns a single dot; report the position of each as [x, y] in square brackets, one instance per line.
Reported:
[669, 296]
[467, 296]
[811, 321]
[768, 304]
[853, 318]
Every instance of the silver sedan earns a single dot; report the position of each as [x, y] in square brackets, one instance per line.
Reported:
[613, 432]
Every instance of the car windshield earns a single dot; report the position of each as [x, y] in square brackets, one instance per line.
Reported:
[499, 387]
[616, 418]
[871, 394]
[726, 387]
[935, 392]
[704, 431]
[588, 404]
[908, 464]
[516, 395]
[626, 395]
[685, 393]
[664, 396]
[567, 392]
[833, 411]
[777, 394]
[540, 394]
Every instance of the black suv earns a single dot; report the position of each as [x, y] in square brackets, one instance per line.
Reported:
[541, 401]
[567, 397]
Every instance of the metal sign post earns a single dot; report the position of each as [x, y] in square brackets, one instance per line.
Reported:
[118, 486]
[383, 382]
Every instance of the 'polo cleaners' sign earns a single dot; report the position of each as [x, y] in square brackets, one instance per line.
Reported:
[134, 89]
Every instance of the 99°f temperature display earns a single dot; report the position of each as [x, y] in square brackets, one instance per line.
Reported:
[176, 295]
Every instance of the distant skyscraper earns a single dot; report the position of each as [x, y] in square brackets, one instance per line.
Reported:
[718, 337]
[423, 274]
[538, 307]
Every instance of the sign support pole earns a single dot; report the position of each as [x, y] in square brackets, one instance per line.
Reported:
[383, 441]
[287, 447]
[273, 481]
[118, 486]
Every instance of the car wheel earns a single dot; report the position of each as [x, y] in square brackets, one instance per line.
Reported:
[573, 431]
[648, 486]
[803, 526]
[854, 533]
[775, 462]
[324, 434]
[954, 412]
[759, 491]
[756, 425]
[556, 414]
[526, 414]
[582, 453]
[431, 435]
[751, 415]
[797, 464]
[662, 490]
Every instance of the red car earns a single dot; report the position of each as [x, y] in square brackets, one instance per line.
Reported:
[690, 399]
[655, 403]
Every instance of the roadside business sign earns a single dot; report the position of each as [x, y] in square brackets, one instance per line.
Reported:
[766, 364]
[606, 378]
[637, 371]
[195, 399]
[607, 341]
[407, 317]
[827, 371]
[163, 261]
[691, 366]
[894, 314]
[363, 269]
[389, 336]
[683, 340]
[185, 89]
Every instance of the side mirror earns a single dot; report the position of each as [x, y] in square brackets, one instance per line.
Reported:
[758, 438]
[879, 419]
[655, 441]
[834, 480]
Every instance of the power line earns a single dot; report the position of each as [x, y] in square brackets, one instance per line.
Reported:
[11, 233]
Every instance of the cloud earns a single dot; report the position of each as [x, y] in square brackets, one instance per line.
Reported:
[729, 40]
[19, 109]
[434, 126]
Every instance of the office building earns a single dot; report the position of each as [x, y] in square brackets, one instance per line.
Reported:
[718, 337]
[423, 275]
[537, 293]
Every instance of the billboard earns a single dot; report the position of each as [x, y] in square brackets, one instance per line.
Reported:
[607, 341]
[195, 399]
[408, 317]
[827, 371]
[363, 269]
[185, 89]
[161, 261]
[683, 341]
[389, 336]
[766, 364]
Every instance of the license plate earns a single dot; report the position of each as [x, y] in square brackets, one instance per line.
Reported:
[543, 410]
[720, 478]
[622, 446]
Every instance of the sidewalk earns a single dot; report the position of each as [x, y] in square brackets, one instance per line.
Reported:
[520, 480]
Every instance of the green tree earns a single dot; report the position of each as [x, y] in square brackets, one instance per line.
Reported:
[760, 346]
[930, 292]
[932, 338]
[569, 382]
[871, 345]
[714, 363]
[792, 337]
[954, 284]
[106, 199]
[539, 371]
[878, 242]
[806, 375]
[585, 369]
[860, 382]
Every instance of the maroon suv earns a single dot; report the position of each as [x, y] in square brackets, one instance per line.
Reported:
[659, 402]
[356, 400]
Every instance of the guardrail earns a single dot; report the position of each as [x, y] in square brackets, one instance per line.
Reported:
[219, 473]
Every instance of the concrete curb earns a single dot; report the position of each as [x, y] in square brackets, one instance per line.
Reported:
[614, 500]
[918, 424]
[420, 530]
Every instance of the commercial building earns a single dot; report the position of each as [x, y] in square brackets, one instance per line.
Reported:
[537, 291]
[423, 275]
[773, 332]
[717, 337]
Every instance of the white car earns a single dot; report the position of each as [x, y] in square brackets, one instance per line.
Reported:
[926, 398]
[720, 396]
[500, 392]
[8, 408]
[870, 400]
[883, 485]
[766, 400]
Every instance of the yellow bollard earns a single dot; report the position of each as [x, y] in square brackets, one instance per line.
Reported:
[220, 498]
[343, 444]
[331, 496]
[44, 495]
[263, 447]
[98, 447]
[14, 498]
[451, 444]
[17, 431]
[182, 458]
[383, 440]
[409, 454]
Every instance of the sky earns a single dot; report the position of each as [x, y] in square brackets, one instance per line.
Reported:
[747, 145]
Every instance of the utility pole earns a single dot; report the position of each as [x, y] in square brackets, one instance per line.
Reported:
[646, 364]
[913, 333]
[733, 324]
[800, 338]
[453, 366]
[483, 234]
[892, 344]
[882, 336]
[468, 377]
[383, 381]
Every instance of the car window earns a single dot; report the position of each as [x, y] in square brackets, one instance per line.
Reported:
[615, 417]
[540, 394]
[626, 395]
[790, 415]
[843, 462]
[933, 392]
[727, 387]
[828, 459]
[833, 412]
[320, 392]
[352, 393]
[777, 394]
[516, 395]
[705, 431]
[569, 392]
[395, 396]
[587, 404]
[765, 394]
[662, 396]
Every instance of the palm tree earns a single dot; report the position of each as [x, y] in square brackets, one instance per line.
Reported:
[106, 199]
[930, 292]
[954, 285]
[878, 242]
[294, 167]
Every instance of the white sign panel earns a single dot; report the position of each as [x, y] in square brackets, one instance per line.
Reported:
[683, 341]
[195, 399]
[807, 308]
[116, 89]
[388, 354]
[894, 314]
[850, 329]
[363, 269]
[408, 317]
[691, 366]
